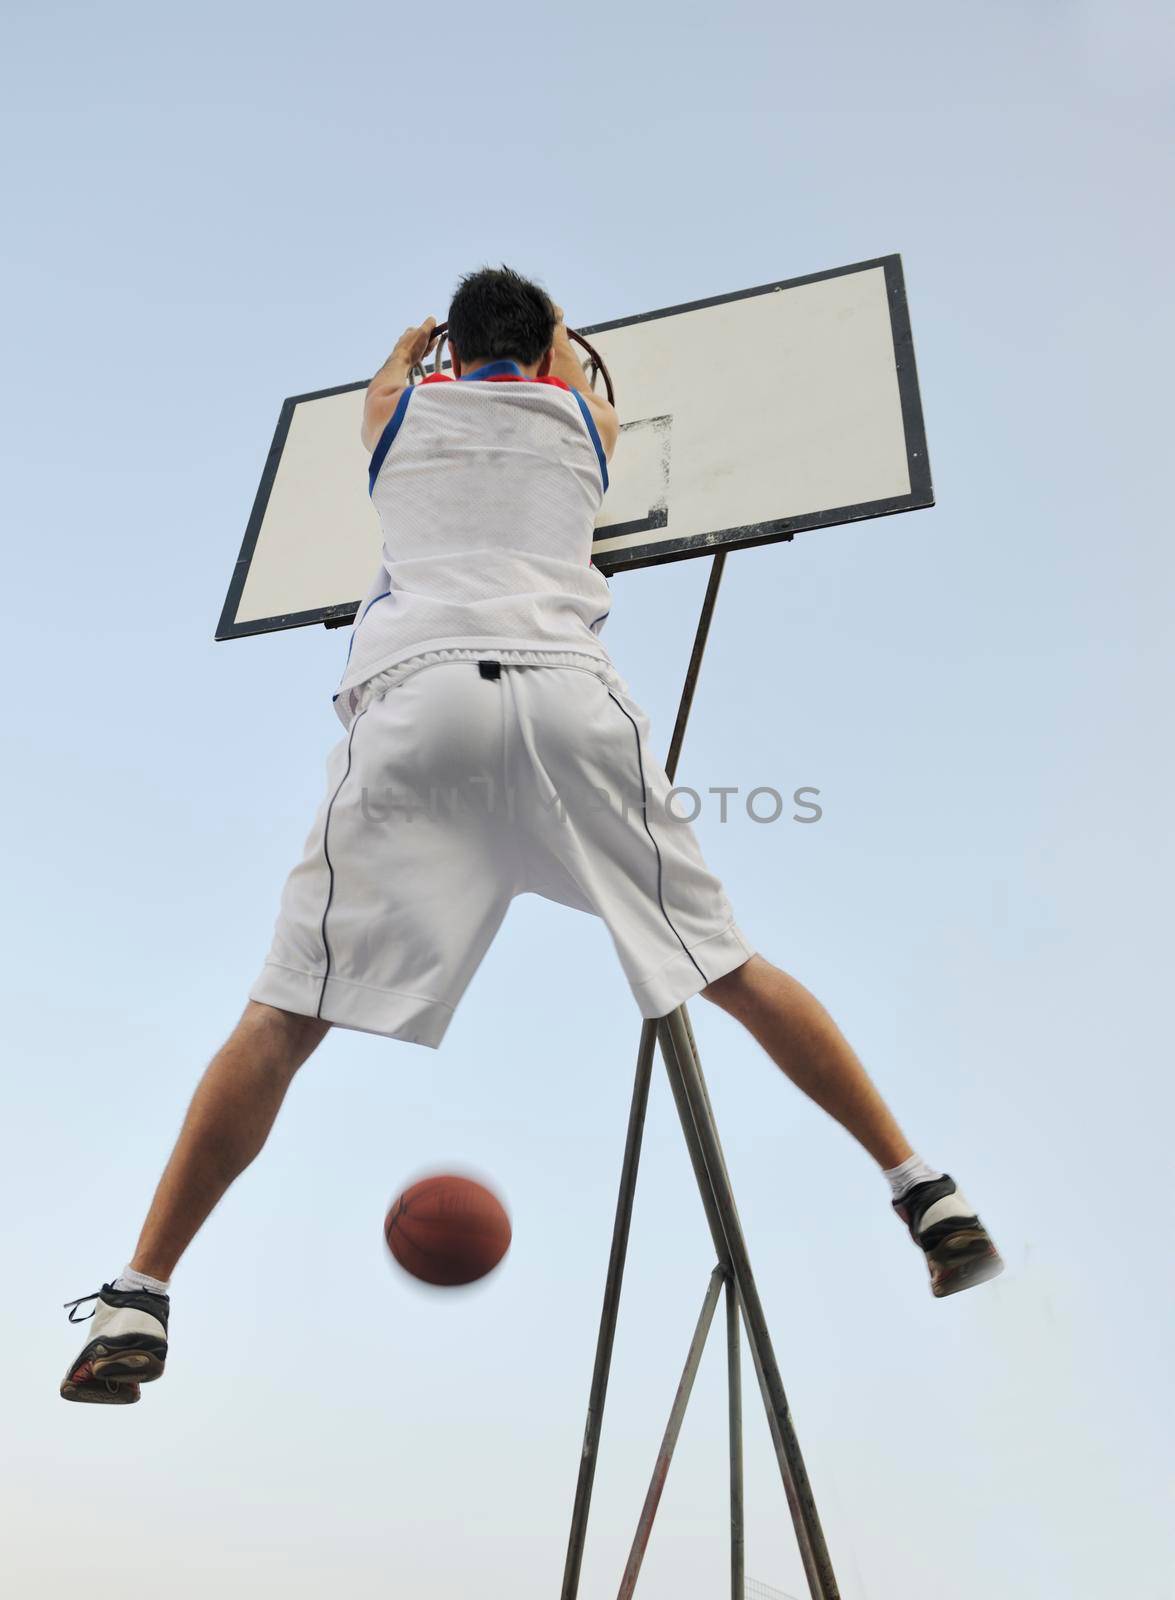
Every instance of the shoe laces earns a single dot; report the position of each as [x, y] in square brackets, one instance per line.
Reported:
[72, 1305]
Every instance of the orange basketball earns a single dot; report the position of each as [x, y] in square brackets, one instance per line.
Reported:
[448, 1230]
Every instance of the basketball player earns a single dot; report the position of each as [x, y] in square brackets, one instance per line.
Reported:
[490, 749]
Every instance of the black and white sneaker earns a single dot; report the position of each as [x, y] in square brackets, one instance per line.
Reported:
[128, 1346]
[944, 1225]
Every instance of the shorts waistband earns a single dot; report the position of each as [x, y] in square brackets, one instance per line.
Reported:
[362, 695]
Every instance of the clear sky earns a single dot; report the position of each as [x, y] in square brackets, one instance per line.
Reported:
[209, 209]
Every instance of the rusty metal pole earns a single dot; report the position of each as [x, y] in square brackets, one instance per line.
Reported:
[693, 1360]
[628, 1171]
[609, 1314]
[695, 663]
[705, 1150]
[681, 1060]
[710, 1206]
[738, 1583]
[677, 1084]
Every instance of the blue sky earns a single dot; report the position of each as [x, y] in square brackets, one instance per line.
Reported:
[210, 210]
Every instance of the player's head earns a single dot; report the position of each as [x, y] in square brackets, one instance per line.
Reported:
[497, 315]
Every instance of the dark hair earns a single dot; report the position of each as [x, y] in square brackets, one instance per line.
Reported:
[497, 315]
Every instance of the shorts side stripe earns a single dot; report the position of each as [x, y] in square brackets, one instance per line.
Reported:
[330, 893]
[645, 816]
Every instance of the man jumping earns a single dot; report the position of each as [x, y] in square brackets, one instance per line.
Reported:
[491, 750]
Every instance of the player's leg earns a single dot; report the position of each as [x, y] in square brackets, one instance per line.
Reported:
[803, 1040]
[227, 1124]
[806, 1044]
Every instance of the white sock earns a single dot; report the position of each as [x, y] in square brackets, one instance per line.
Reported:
[913, 1170]
[129, 1279]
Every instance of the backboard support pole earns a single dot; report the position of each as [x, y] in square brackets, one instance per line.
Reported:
[682, 1063]
[688, 1085]
[609, 1312]
[693, 1361]
[738, 1581]
[701, 635]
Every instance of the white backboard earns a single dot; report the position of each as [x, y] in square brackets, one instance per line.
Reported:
[744, 419]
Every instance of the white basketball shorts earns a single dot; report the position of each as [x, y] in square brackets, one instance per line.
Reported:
[457, 788]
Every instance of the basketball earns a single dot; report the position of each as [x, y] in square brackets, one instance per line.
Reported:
[447, 1230]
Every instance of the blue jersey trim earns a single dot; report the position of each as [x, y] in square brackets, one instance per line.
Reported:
[385, 439]
[594, 435]
[495, 369]
[356, 625]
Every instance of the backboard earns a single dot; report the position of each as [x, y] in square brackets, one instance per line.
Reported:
[744, 419]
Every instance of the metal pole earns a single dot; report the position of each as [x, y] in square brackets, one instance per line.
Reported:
[802, 1538]
[738, 1587]
[682, 1059]
[609, 1313]
[695, 663]
[672, 1429]
[697, 1160]
[707, 1190]
[632, 1149]
[710, 1205]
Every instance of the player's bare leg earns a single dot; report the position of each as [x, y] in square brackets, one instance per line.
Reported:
[227, 1124]
[806, 1044]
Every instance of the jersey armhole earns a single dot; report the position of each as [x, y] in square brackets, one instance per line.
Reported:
[384, 443]
[593, 435]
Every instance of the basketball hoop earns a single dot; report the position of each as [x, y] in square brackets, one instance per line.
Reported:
[593, 367]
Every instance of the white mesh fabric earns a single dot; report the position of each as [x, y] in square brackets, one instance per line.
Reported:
[487, 498]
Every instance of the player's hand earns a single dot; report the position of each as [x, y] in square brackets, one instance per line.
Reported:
[413, 344]
[560, 338]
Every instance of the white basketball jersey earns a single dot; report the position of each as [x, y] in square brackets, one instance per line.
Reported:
[487, 490]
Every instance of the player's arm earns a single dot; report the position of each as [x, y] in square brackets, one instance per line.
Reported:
[566, 364]
[389, 383]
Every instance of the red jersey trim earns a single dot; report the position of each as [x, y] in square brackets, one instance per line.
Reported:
[498, 377]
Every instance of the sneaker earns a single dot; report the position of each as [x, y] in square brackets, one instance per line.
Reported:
[944, 1225]
[128, 1346]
